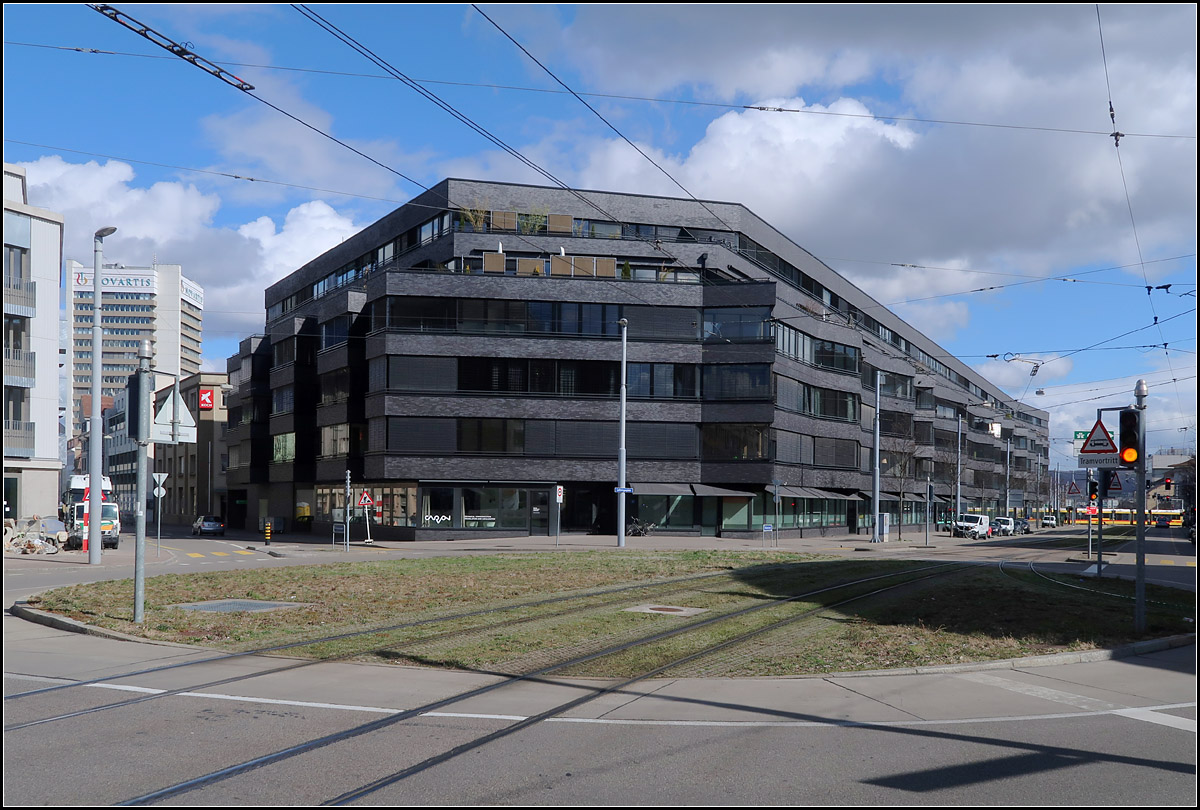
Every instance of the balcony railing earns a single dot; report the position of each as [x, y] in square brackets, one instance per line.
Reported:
[18, 439]
[20, 367]
[20, 296]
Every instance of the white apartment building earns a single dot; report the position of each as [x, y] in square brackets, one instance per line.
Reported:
[33, 247]
[155, 303]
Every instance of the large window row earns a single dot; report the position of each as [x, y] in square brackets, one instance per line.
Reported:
[791, 342]
[576, 439]
[826, 403]
[569, 378]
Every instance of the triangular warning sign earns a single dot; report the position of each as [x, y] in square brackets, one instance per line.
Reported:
[365, 500]
[1073, 489]
[1098, 441]
[1114, 483]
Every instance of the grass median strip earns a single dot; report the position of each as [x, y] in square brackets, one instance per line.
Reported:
[979, 615]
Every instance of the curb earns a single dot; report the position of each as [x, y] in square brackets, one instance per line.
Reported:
[271, 552]
[23, 611]
[1054, 659]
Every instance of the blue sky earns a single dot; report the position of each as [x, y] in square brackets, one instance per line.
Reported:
[968, 143]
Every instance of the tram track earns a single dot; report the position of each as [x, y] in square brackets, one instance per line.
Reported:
[862, 590]
[590, 600]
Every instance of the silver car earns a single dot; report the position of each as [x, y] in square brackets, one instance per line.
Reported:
[208, 524]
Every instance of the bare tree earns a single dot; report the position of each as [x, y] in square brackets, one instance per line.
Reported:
[899, 460]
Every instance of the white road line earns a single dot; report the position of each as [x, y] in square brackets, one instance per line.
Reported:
[1161, 719]
[1147, 713]
[1078, 701]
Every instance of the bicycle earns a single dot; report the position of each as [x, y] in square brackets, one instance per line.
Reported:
[637, 528]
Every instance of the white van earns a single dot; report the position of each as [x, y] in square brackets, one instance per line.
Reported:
[1049, 522]
[973, 526]
[1003, 526]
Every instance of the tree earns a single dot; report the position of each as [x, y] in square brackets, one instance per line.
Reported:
[900, 460]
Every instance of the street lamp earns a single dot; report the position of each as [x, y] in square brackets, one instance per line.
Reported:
[95, 460]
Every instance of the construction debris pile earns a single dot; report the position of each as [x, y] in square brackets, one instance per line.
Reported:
[35, 535]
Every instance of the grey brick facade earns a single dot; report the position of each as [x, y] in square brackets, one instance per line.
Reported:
[459, 384]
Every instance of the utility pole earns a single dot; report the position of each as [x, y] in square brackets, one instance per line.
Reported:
[1140, 391]
[875, 538]
[95, 445]
[624, 324]
[139, 542]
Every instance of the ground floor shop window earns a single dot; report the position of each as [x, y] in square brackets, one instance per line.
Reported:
[667, 511]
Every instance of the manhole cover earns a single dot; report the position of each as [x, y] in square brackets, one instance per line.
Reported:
[671, 610]
[231, 605]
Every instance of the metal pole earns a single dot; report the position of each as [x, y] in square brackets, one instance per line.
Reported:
[139, 542]
[958, 478]
[95, 462]
[1140, 391]
[928, 506]
[624, 324]
[875, 538]
[1089, 503]
[1007, 468]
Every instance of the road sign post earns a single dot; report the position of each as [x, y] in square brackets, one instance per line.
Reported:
[365, 502]
[159, 494]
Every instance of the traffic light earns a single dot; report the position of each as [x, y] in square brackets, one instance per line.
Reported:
[1167, 484]
[1093, 490]
[1130, 452]
[1106, 481]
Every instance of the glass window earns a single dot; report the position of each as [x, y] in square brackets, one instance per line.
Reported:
[284, 448]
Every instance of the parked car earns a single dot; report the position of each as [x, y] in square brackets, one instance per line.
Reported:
[1049, 522]
[1004, 526]
[976, 527]
[208, 524]
[1023, 526]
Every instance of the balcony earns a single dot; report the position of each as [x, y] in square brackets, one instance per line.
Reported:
[20, 296]
[20, 367]
[18, 439]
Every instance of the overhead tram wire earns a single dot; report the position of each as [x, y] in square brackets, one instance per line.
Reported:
[621, 97]
[228, 78]
[1116, 136]
[1031, 279]
[366, 52]
[607, 123]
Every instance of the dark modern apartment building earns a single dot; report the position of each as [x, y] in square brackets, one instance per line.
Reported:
[460, 359]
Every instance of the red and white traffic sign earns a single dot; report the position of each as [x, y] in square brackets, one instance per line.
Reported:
[1092, 510]
[365, 500]
[1098, 441]
[1114, 483]
[1073, 489]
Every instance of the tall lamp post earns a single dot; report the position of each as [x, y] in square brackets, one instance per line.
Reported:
[95, 448]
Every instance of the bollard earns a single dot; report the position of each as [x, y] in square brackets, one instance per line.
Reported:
[267, 532]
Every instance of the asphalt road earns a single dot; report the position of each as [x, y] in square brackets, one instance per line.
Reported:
[1119, 731]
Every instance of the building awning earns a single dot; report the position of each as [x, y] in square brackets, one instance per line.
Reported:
[883, 496]
[836, 496]
[706, 490]
[791, 492]
[909, 497]
[661, 489]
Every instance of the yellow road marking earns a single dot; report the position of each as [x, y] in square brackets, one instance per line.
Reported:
[220, 553]
[243, 552]
[192, 554]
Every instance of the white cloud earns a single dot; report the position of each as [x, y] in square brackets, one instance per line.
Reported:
[172, 222]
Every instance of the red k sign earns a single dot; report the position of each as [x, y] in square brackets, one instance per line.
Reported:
[206, 399]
